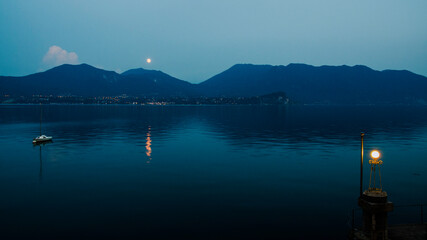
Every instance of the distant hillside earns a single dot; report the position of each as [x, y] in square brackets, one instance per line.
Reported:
[326, 84]
[155, 83]
[85, 80]
[301, 83]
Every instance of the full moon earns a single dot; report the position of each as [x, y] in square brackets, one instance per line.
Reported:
[148, 60]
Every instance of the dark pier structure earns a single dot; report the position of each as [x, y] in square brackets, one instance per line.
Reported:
[375, 208]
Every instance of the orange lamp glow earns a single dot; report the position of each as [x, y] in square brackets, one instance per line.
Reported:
[375, 154]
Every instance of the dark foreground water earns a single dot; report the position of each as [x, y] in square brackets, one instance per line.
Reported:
[200, 172]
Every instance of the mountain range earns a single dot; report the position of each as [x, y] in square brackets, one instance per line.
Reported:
[85, 80]
[302, 83]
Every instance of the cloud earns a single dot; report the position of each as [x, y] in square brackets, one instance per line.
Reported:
[56, 56]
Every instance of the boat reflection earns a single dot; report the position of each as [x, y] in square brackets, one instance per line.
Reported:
[148, 145]
[41, 145]
[41, 164]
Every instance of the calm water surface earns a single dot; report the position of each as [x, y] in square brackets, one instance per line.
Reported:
[200, 172]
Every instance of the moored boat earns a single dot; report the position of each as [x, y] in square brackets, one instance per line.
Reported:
[41, 139]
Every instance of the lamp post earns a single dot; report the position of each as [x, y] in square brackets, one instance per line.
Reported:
[374, 202]
[375, 162]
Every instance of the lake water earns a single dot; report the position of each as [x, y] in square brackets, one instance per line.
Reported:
[201, 172]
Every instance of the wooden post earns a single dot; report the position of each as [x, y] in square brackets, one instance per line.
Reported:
[361, 164]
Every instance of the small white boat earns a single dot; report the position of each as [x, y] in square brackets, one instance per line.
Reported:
[42, 138]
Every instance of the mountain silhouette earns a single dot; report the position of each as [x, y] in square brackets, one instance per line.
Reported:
[81, 80]
[326, 84]
[85, 80]
[155, 83]
[300, 82]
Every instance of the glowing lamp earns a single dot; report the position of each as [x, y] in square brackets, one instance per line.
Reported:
[375, 154]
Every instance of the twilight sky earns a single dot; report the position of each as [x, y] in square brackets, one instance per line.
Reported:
[196, 39]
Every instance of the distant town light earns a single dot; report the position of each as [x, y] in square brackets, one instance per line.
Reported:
[375, 154]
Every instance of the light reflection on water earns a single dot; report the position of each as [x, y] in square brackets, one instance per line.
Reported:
[148, 145]
[225, 172]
